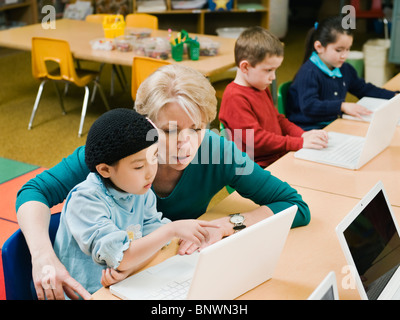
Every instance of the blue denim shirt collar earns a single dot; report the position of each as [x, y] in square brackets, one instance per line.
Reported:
[323, 67]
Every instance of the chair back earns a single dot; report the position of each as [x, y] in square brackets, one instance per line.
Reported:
[44, 50]
[375, 11]
[96, 18]
[282, 96]
[17, 266]
[142, 67]
[141, 20]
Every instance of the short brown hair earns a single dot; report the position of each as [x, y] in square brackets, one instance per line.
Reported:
[255, 43]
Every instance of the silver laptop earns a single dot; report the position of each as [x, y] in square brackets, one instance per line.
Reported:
[352, 152]
[222, 271]
[370, 103]
[369, 237]
[327, 289]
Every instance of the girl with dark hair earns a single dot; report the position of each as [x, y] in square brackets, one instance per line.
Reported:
[317, 94]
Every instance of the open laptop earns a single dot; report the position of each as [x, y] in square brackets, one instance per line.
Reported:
[352, 152]
[370, 103]
[327, 289]
[369, 236]
[221, 271]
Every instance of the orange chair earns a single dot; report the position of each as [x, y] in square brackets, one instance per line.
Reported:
[58, 51]
[141, 20]
[142, 67]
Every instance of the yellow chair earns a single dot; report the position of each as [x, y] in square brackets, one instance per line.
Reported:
[141, 20]
[99, 18]
[58, 51]
[142, 67]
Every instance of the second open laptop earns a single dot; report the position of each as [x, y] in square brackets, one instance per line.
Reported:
[369, 237]
[352, 152]
[370, 103]
[327, 289]
[221, 271]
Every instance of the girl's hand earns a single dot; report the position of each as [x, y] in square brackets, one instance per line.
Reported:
[188, 247]
[192, 230]
[355, 110]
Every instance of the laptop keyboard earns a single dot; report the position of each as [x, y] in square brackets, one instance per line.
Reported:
[346, 152]
[376, 288]
[174, 290]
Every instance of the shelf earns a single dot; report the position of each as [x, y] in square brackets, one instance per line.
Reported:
[198, 11]
[201, 21]
[14, 6]
[25, 12]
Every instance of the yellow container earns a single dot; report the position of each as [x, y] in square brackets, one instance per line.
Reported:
[113, 25]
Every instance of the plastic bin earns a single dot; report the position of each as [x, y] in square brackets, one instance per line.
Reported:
[378, 70]
[113, 26]
[230, 32]
[278, 17]
[356, 59]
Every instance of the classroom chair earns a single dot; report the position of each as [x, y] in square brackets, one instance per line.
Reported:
[141, 20]
[142, 67]
[374, 12]
[282, 96]
[116, 69]
[17, 266]
[58, 51]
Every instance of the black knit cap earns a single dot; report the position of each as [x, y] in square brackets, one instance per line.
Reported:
[117, 134]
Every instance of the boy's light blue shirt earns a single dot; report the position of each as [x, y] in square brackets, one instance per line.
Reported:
[97, 225]
[323, 67]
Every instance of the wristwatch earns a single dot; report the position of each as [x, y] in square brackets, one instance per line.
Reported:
[237, 219]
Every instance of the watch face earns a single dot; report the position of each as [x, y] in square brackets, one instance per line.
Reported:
[237, 218]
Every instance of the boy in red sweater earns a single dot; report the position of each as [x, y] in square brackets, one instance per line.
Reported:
[247, 102]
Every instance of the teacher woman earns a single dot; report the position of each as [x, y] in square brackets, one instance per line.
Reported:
[194, 164]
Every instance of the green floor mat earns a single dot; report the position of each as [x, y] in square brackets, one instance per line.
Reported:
[9, 169]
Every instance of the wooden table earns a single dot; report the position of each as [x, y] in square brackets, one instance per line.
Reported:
[309, 253]
[393, 84]
[79, 34]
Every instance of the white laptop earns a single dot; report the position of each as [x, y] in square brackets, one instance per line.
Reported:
[369, 236]
[221, 271]
[352, 152]
[370, 103]
[327, 289]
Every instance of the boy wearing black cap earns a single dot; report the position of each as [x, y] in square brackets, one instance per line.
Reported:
[115, 205]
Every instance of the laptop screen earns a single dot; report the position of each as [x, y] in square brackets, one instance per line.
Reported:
[329, 294]
[375, 245]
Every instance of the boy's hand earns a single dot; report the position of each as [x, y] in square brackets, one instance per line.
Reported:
[315, 139]
[355, 110]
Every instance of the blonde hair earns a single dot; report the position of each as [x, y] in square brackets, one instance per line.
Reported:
[256, 43]
[181, 84]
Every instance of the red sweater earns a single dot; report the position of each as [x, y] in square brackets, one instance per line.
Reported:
[248, 108]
